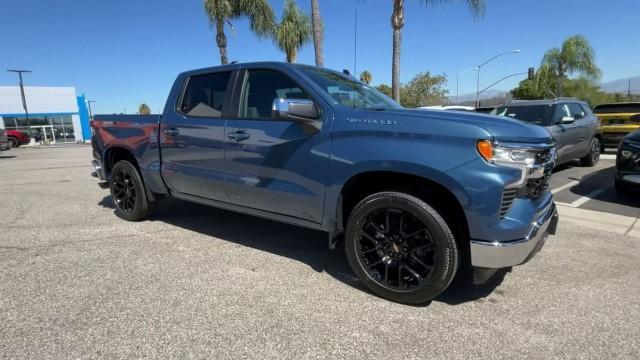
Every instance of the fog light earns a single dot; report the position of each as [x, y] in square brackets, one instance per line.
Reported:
[626, 153]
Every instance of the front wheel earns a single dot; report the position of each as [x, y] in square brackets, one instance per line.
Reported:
[592, 158]
[128, 192]
[401, 248]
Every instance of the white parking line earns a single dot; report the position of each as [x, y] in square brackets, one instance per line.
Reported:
[608, 156]
[565, 186]
[581, 201]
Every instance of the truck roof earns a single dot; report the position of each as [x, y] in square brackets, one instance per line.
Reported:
[235, 66]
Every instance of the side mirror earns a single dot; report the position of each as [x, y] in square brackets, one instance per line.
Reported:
[567, 120]
[298, 110]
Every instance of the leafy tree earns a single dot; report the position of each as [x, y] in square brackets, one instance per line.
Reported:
[585, 89]
[397, 23]
[385, 89]
[259, 12]
[293, 31]
[144, 109]
[366, 77]
[424, 90]
[575, 56]
[318, 32]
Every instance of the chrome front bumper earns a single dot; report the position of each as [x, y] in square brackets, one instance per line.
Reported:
[495, 254]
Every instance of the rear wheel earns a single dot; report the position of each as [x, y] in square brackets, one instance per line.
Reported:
[592, 158]
[401, 248]
[13, 142]
[128, 192]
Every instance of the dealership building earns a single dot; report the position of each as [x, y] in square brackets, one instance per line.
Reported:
[56, 114]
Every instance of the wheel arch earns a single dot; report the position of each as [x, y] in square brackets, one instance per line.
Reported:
[447, 199]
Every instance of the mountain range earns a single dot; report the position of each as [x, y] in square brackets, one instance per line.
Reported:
[619, 86]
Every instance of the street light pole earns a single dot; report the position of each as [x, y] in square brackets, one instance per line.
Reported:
[24, 99]
[483, 64]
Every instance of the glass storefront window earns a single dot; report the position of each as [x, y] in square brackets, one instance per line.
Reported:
[60, 127]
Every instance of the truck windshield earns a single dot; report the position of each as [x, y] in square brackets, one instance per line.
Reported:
[350, 92]
[535, 114]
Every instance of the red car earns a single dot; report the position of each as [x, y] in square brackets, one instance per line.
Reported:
[17, 138]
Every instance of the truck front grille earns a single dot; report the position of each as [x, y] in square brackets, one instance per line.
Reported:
[536, 187]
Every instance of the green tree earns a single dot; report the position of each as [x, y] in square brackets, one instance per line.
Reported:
[318, 32]
[575, 56]
[144, 109]
[397, 23]
[424, 90]
[366, 77]
[586, 89]
[385, 89]
[293, 31]
[259, 12]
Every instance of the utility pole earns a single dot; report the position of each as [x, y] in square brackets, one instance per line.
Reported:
[24, 99]
[90, 112]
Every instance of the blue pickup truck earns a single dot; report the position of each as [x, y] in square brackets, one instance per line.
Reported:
[417, 196]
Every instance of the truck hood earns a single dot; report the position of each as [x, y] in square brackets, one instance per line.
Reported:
[500, 128]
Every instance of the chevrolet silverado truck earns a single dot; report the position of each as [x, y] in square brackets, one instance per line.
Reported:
[416, 195]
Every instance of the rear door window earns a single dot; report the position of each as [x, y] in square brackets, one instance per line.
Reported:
[205, 95]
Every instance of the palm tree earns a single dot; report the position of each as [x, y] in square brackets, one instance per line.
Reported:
[397, 22]
[575, 56]
[259, 12]
[318, 32]
[366, 77]
[293, 31]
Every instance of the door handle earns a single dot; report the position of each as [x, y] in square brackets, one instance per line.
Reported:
[238, 135]
[171, 131]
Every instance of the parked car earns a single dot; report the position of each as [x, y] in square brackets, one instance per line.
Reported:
[485, 109]
[4, 141]
[318, 149]
[17, 138]
[628, 163]
[617, 120]
[573, 126]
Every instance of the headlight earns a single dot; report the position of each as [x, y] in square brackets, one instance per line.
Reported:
[505, 155]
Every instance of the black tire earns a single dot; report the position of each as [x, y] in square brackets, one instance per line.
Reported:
[13, 142]
[128, 193]
[406, 268]
[592, 158]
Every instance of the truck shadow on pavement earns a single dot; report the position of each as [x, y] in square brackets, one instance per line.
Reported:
[300, 244]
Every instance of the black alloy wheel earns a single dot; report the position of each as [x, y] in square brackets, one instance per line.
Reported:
[124, 191]
[128, 192]
[401, 248]
[397, 249]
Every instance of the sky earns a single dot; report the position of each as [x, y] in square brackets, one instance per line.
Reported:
[121, 53]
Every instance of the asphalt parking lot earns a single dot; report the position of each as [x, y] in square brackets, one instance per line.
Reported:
[592, 188]
[196, 282]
